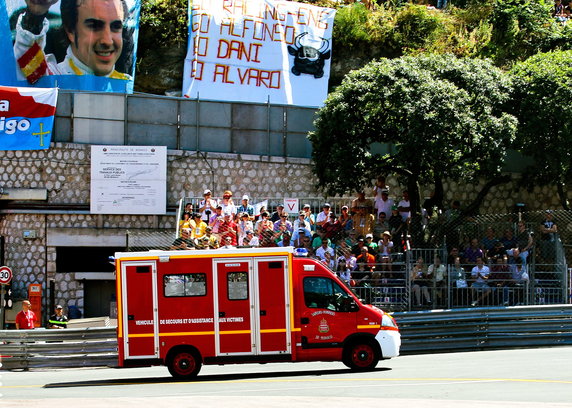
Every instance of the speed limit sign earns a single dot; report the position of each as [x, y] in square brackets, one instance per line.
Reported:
[5, 275]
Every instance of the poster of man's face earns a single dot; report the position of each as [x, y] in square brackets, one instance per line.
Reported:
[73, 44]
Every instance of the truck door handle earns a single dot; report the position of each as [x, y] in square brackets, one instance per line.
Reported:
[305, 320]
[263, 313]
[221, 314]
[130, 317]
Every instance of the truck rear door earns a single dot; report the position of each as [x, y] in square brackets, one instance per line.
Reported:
[139, 300]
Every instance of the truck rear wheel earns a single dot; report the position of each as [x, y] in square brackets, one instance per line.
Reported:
[361, 356]
[184, 364]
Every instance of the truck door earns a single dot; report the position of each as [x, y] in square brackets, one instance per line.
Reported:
[326, 312]
[233, 304]
[139, 299]
[273, 305]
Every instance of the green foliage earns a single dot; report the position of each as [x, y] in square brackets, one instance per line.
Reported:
[543, 92]
[163, 22]
[442, 115]
[416, 26]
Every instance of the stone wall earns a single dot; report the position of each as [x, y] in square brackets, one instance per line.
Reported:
[64, 170]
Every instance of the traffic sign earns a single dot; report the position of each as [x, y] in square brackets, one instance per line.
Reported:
[5, 275]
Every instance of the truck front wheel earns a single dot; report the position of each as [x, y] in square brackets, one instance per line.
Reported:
[361, 356]
[184, 364]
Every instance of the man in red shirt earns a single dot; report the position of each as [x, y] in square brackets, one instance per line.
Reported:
[26, 318]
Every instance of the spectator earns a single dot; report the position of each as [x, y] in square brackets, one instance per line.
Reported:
[245, 224]
[404, 206]
[309, 217]
[202, 243]
[345, 219]
[362, 202]
[500, 278]
[383, 203]
[245, 207]
[363, 222]
[439, 273]
[276, 215]
[228, 228]
[519, 272]
[349, 260]
[397, 226]
[344, 272]
[420, 281]
[323, 249]
[227, 204]
[472, 252]
[548, 232]
[457, 274]
[332, 227]
[213, 241]
[200, 227]
[524, 242]
[497, 252]
[453, 212]
[250, 239]
[369, 260]
[324, 215]
[207, 206]
[184, 241]
[453, 253]
[301, 227]
[228, 242]
[185, 222]
[441, 4]
[480, 274]
[508, 240]
[58, 320]
[283, 224]
[372, 246]
[285, 239]
[559, 12]
[356, 249]
[216, 220]
[189, 208]
[489, 240]
[381, 225]
[263, 223]
[26, 318]
[385, 246]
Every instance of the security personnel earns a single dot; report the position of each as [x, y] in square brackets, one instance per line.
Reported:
[58, 320]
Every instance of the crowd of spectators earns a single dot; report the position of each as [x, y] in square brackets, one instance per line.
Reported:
[361, 244]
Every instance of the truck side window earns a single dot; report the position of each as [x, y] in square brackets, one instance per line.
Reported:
[187, 284]
[324, 293]
[237, 285]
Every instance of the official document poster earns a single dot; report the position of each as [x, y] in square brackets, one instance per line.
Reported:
[128, 179]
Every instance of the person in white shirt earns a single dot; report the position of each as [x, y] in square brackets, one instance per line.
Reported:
[404, 206]
[480, 274]
[207, 206]
[324, 216]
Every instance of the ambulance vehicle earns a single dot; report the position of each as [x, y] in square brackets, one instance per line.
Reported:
[185, 308]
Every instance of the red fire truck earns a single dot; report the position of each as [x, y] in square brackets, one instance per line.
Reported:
[184, 309]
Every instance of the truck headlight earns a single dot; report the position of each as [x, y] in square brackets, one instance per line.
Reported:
[388, 322]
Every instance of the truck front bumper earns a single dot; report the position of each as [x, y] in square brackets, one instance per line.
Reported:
[390, 342]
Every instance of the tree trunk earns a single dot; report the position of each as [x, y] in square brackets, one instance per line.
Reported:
[473, 208]
[562, 194]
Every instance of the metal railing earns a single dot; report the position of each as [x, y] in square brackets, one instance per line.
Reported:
[422, 332]
[87, 347]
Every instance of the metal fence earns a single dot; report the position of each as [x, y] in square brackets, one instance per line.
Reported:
[422, 332]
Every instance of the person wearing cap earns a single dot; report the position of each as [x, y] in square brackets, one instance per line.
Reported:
[384, 249]
[58, 320]
[26, 319]
[245, 207]
[548, 232]
[227, 203]
[285, 239]
[301, 226]
[244, 224]
[324, 216]
[250, 239]
[309, 217]
[276, 215]
[199, 228]
[370, 243]
[207, 206]
[184, 241]
[213, 241]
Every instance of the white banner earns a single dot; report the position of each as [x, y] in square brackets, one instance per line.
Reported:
[258, 51]
[128, 179]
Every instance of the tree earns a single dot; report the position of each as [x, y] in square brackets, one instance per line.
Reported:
[543, 101]
[438, 116]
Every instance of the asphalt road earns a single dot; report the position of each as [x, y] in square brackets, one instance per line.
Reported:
[513, 378]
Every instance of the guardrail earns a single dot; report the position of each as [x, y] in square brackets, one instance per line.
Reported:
[422, 332]
[87, 347]
[485, 328]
